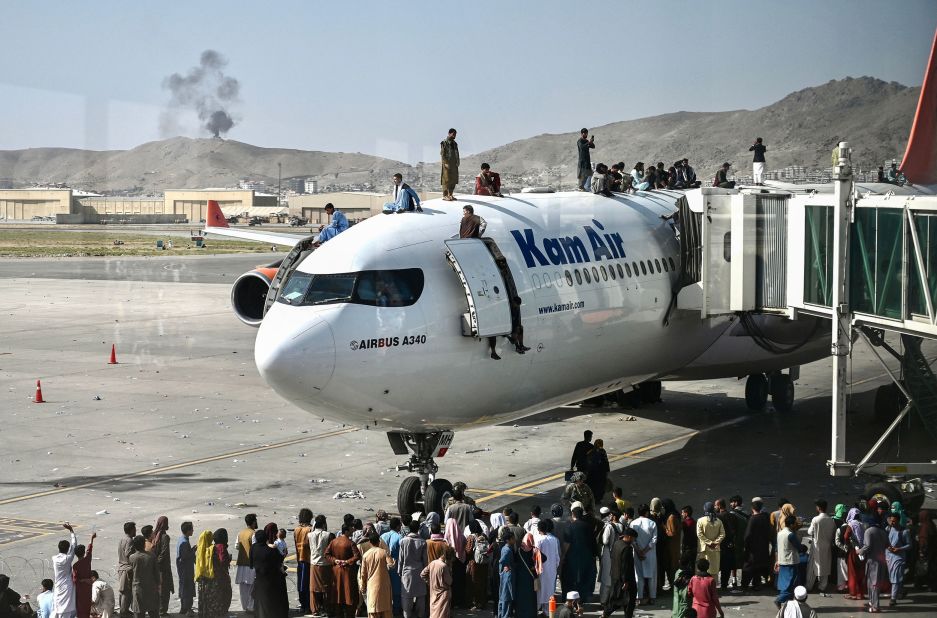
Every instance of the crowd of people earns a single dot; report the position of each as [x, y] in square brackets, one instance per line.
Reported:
[586, 548]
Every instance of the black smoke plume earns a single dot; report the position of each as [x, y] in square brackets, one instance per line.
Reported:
[206, 90]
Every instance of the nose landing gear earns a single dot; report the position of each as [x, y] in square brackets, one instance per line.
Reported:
[423, 492]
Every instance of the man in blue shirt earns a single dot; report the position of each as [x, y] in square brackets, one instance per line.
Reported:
[899, 541]
[338, 225]
[405, 198]
[505, 567]
[392, 538]
[44, 600]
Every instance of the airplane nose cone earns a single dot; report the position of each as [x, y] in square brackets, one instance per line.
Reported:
[296, 359]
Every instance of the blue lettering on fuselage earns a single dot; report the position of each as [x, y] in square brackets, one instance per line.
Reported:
[569, 249]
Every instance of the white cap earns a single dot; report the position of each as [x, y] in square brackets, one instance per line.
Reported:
[800, 593]
[604, 511]
[416, 516]
[572, 596]
[576, 504]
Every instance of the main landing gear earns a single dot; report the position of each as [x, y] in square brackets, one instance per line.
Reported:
[779, 385]
[423, 492]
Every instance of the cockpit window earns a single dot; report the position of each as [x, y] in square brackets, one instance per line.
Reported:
[381, 288]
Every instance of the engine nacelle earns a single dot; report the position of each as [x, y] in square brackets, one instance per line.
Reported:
[249, 294]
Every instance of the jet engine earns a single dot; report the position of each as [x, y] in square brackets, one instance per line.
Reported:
[249, 294]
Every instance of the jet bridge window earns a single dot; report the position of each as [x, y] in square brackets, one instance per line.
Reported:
[382, 288]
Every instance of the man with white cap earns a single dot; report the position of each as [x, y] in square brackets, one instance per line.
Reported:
[797, 607]
[571, 609]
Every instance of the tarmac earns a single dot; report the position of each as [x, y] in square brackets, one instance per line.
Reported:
[183, 426]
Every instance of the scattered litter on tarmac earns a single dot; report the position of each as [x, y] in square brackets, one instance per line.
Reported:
[627, 418]
[104, 512]
[96, 398]
[319, 481]
[348, 495]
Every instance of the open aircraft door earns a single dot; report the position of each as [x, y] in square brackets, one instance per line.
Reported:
[485, 290]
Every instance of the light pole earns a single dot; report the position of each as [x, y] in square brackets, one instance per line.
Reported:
[279, 179]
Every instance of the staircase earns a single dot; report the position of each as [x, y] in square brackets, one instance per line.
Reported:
[920, 382]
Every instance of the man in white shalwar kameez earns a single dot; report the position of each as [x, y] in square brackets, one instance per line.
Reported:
[549, 547]
[611, 530]
[823, 532]
[645, 554]
[63, 587]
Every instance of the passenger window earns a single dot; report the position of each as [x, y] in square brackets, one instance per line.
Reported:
[595, 274]
[664, 262]
[611, 271]
[628, 270]
[578, 277]
[634, 267]
[559, 280]
[535, 279]
[547, 280]
[621, 272]
[672, 265]
[643, 268]
[585, 273]
[657, 264]
[569, 279]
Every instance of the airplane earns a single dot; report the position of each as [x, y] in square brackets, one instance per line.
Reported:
[389, 325]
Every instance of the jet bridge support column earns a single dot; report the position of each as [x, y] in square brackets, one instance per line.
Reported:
[842, 323]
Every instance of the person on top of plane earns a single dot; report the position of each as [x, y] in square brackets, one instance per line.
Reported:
[338, 225]
[488, 182]
[405, 198]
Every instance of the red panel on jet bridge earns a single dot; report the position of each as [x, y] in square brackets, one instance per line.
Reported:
[920, 158]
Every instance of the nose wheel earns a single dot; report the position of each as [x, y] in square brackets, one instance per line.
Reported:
[423, 492]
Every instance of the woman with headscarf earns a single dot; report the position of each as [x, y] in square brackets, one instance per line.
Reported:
[161, 544]
[270, 597]
[527, 568]
[855, 568]
[840, 549]
[426, 528]
[476, 568]
[496, 520]
[927, 551]
[668, 535]
[456, 540]
[212, 561]
[710, 532]
[597, 471]
[786, 509]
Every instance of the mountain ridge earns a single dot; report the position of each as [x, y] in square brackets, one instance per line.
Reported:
[801, 128]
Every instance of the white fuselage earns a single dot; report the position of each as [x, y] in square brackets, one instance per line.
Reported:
[411, 369]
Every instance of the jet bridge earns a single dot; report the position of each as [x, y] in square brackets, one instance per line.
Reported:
[867, 262]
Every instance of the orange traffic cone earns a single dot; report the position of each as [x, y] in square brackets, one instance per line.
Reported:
[39, 398]
[113, 360]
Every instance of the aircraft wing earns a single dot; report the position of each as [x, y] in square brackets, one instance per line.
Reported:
[216, 223]
[286, 240]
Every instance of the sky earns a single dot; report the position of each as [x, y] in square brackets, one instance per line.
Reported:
[389, 78]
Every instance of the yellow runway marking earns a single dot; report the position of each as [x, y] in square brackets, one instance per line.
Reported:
[476, 490]
[178, 466]
[560, 475]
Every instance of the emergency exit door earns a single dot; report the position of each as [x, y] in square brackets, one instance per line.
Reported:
[485, 290]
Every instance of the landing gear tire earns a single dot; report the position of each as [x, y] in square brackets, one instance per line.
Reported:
[436, 496]
[650, 391]
[883, 491]
[782, 392]
[408, 496]
[756, 392]
[889, 401]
